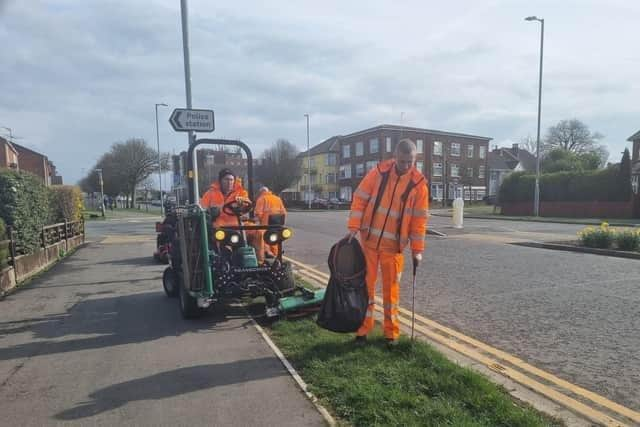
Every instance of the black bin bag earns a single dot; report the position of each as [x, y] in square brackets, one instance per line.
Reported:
[346, 299]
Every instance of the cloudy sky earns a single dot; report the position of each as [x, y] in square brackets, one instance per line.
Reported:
[77, 76]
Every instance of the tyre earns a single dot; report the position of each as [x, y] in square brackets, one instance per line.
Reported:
[170, 282]
[287, 282]
[188, 304]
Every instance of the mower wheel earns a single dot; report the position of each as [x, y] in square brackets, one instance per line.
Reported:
[188, 304]
[287, 282]
[170, 282]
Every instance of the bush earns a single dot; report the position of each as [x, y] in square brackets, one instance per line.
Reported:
[602, 185]
[601, 237]
[66, 203]
[4, 248]
[628, 240]
[24, 205]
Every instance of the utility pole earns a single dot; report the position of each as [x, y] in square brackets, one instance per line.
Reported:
[184, 11]
[308, 162]
[101, 191]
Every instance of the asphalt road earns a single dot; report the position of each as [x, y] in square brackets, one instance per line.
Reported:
[96, 342]
[575, 315]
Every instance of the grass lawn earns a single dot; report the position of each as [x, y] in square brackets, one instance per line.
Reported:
[411, 384]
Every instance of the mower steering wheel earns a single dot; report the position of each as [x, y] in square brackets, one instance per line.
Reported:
[236, 208]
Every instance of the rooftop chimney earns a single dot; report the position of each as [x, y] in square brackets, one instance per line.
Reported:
[515, 149]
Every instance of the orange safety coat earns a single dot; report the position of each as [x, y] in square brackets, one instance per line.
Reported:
[214, 197]
[268, 204]
[390, 211]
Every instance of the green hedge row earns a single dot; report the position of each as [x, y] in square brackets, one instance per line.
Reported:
[4, 247]
[27, 205]
[600, 185]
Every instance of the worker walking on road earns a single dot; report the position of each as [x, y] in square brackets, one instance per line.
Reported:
[389, 209]
[267, 204]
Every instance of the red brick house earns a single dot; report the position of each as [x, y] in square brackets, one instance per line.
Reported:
[38, 164]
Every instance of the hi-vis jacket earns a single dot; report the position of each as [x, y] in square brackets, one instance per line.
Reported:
[268, 204]
[390, 211]
[214, 197]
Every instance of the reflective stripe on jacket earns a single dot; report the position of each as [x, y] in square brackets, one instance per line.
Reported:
[400, 216]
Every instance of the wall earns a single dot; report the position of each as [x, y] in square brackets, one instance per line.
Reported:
[594, 209]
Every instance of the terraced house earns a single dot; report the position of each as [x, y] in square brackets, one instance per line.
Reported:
[319, 179]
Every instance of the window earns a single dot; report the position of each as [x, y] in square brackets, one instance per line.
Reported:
[437, 148]
[331, 159]
[437, 169]
[313, 179]
[420, 146]
[420, 166]
[371, 164]
[483, 152]
[481, 172]
[345, 171]
[388, 143]
[455, 149]
[346, 151]
[330, 178]
[359, 148]
[634, 184]
[436, 191]
[345, 193]
[469, 172]
[480, 194]
[455, 170]
[470, 151]
[359, 170]
[373, 146]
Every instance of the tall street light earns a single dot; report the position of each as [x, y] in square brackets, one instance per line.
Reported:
[536, 201]
[101, 191]
[308, 162]
[159, 159]
[10, 133]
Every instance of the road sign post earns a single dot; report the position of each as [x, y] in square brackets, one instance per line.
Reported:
[187, 120]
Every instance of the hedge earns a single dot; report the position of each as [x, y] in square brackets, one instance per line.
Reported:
[600, 185]
[66, 203]
[4, 248]
[24, 205]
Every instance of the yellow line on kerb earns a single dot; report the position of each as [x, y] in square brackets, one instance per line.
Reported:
[515, 375]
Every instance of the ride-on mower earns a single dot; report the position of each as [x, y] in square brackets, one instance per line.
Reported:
[210, 264]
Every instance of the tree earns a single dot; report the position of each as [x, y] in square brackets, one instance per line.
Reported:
[528, 143]
[625, 173]
[280, 166]
[572, 135]
[560, 160]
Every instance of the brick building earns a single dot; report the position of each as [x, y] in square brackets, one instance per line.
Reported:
[8, 155]
[452, 161]
[635, 162]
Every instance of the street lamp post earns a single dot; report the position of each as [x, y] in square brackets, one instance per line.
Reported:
[101, 191]
[10, 133]
[308, 163]
[536, 201]
[159, 159]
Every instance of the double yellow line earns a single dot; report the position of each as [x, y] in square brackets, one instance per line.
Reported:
[591, 405]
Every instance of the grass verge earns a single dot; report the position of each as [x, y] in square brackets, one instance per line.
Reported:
[411, 384]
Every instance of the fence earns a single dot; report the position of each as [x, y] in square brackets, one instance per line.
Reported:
[49, 236]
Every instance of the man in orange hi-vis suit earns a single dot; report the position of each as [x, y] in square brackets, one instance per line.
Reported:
[226, 190]
[389, 209]
[266, 205]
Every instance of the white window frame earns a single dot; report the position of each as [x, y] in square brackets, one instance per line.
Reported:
[346, 151]
[420, 146]
[482, 152]
[470, 151]
[455, 149]
[370, 164]
[420, 166]
[481, 171]
[362, 166]
[457, 169]
[436, 191]
[376, 145]
[388, 143]
[347, 171]
[359, 149]
[470, 176]
[437, 152]
[436, 166]
[328, 159]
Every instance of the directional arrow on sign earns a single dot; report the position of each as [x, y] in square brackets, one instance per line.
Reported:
[185, 120]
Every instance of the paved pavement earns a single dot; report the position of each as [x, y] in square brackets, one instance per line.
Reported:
[96, 342]
[575, 315]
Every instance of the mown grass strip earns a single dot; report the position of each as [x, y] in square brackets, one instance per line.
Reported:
[411, 384]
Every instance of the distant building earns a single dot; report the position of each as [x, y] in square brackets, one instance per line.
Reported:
[504, 161]
[320, 178]
[8, 155]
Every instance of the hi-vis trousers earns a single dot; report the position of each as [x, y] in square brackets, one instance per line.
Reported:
[391, 264]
